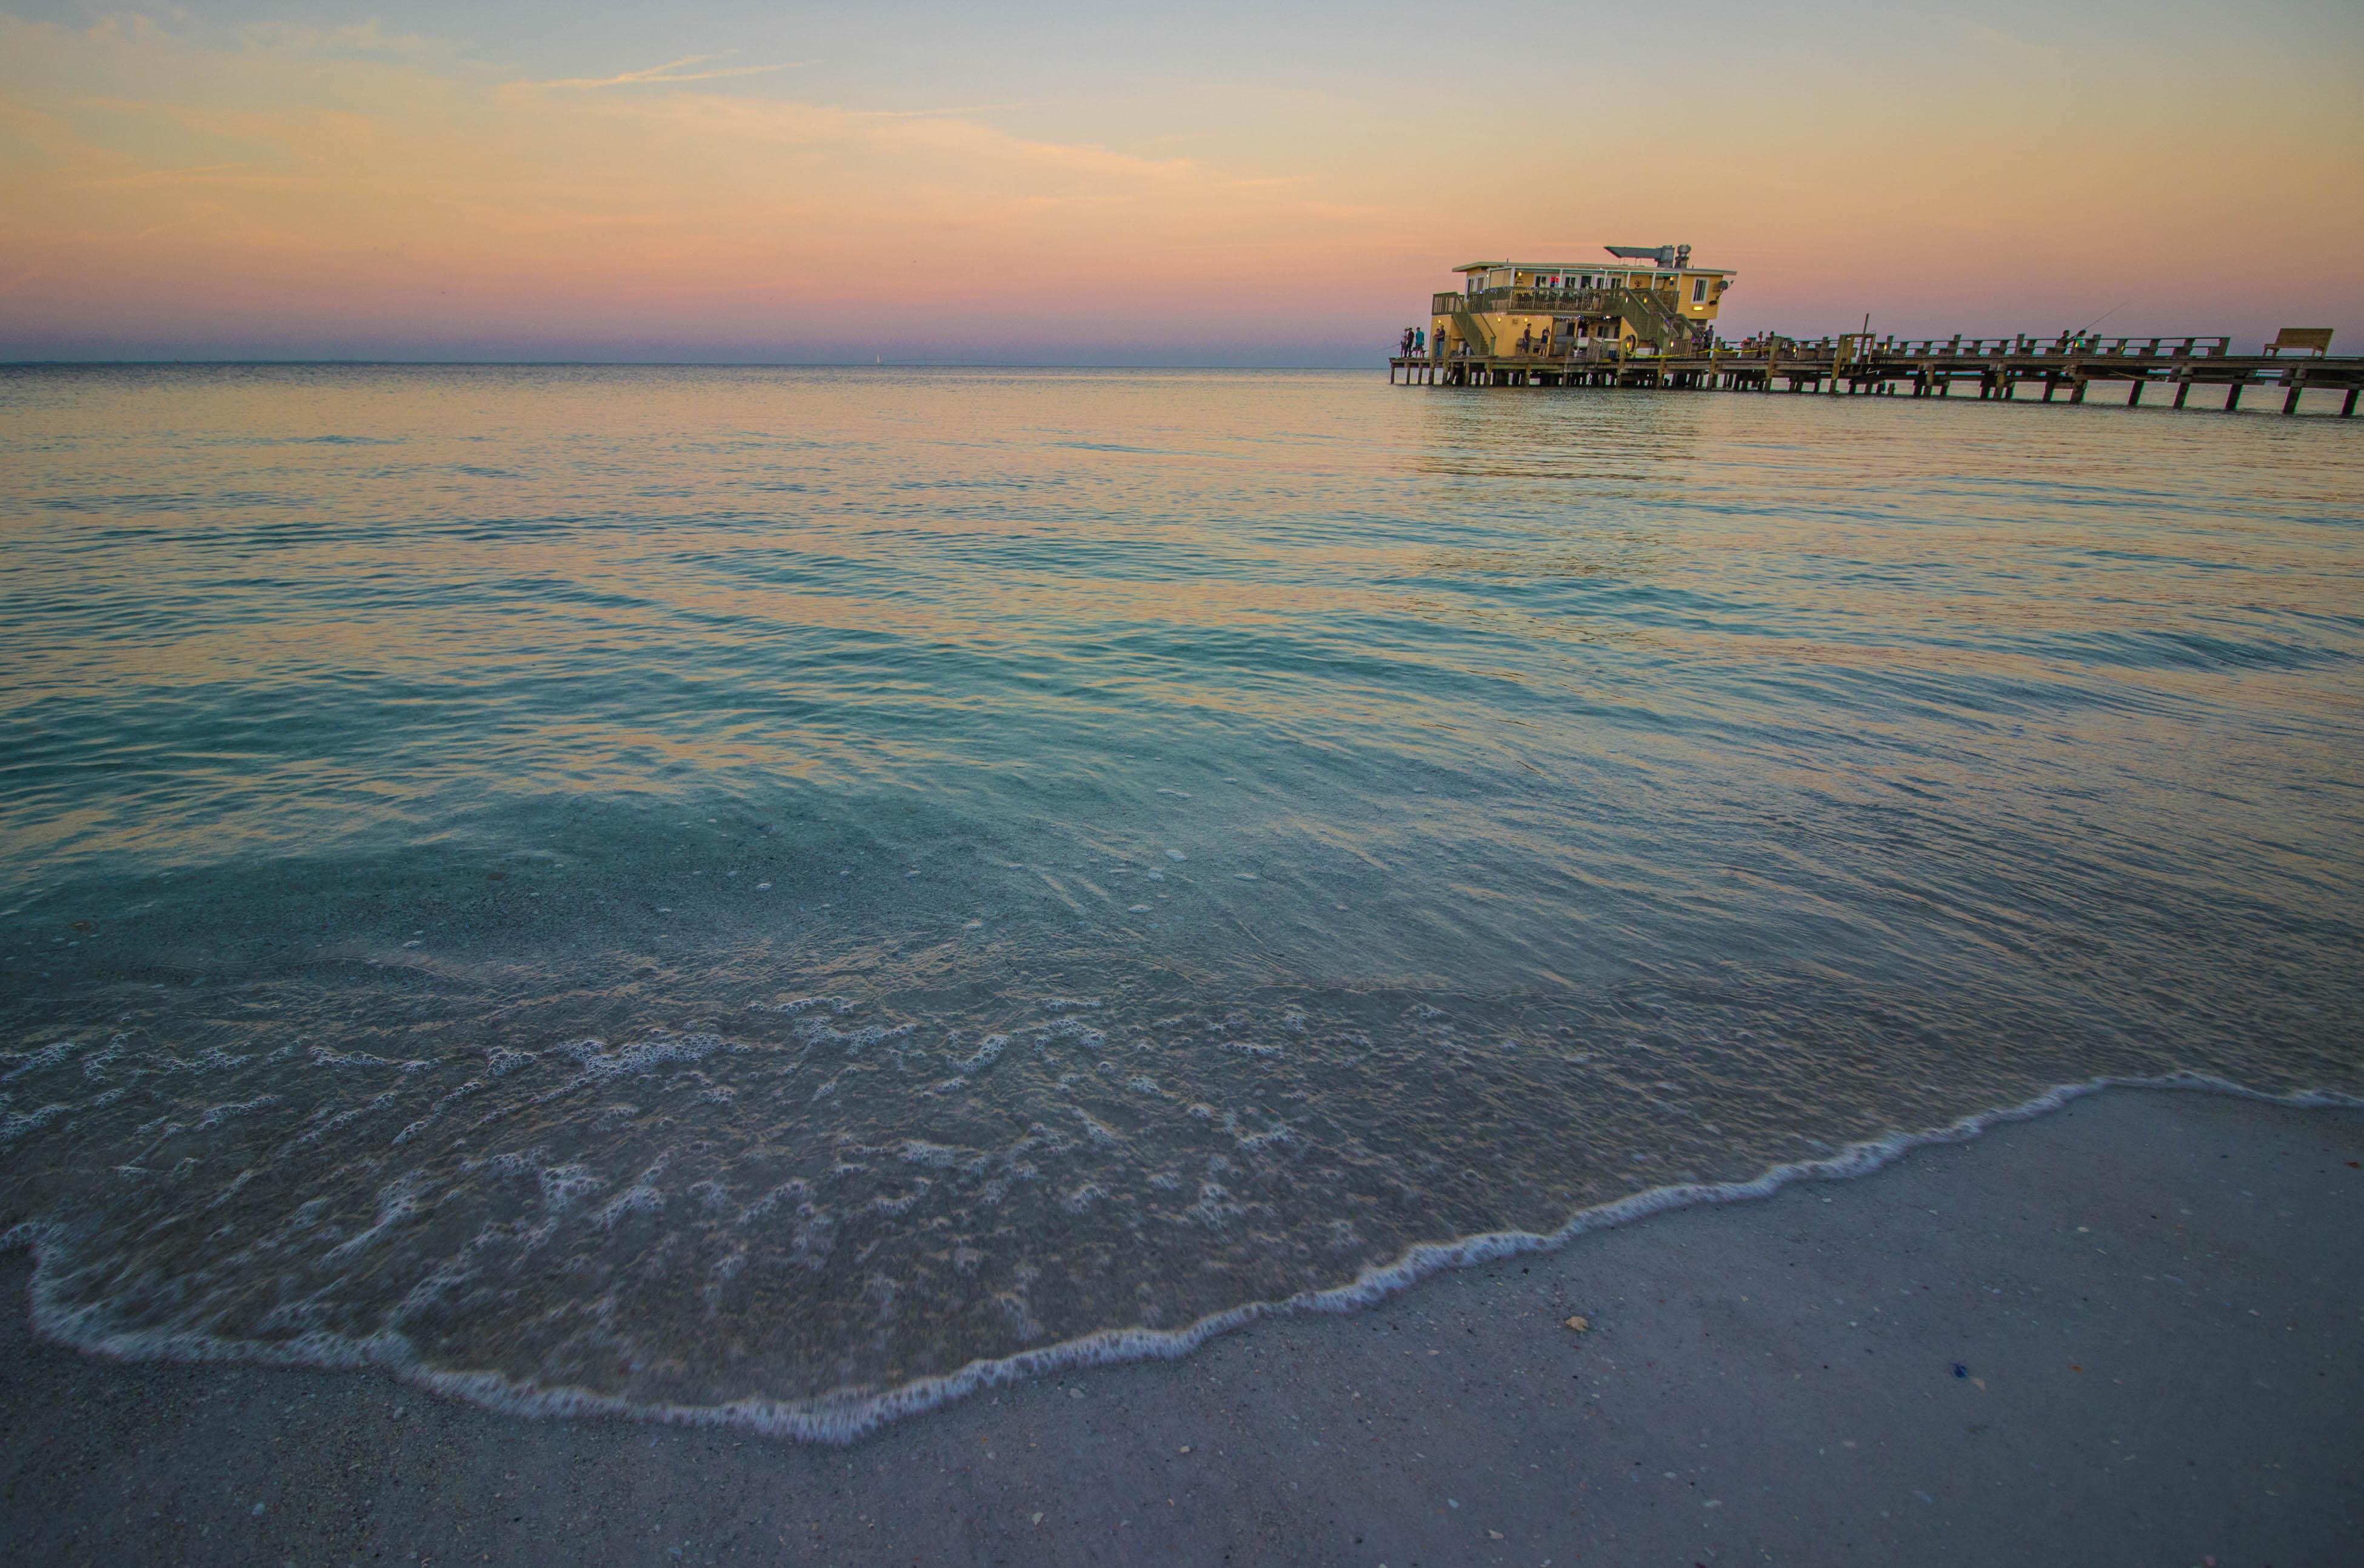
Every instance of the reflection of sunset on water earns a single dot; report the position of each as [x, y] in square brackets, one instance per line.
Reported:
[877, 874]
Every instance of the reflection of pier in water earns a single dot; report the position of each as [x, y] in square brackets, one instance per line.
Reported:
[2298, 361]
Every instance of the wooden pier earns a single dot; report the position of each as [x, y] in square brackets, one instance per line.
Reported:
[2002, 368]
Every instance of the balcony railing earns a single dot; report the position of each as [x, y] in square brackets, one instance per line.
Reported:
[1568, 302]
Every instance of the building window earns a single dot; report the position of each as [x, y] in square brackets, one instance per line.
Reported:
[1698, 291]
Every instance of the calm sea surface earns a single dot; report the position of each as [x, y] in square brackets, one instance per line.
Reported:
[769, 893]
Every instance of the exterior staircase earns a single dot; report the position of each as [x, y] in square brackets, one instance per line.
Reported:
[1654, 322]
[1473, 331]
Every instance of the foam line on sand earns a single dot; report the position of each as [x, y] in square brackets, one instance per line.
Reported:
[846, 1418]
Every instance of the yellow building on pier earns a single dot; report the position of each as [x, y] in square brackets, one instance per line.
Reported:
[1646, 300]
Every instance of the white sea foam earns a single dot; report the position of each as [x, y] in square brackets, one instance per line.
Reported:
[220, 1114]
[793, 1194]
[15, 1125]
[843, 1416]
[806, 1004]
[812, 1031]
[598, 1063]
[322, 1056]
[34, 1061]
[1280, 1135]
[324, 1124]
[562, 1185]
[900, 1203]
[397, 1201]
[642, 1196]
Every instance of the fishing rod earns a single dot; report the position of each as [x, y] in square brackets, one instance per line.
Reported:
[2104, 316]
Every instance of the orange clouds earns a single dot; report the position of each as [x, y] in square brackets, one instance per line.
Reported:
[356, 192]
[278, 181]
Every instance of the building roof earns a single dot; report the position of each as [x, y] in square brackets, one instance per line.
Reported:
[1592, 267]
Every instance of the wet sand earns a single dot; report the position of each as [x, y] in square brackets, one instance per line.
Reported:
[2127, 1332]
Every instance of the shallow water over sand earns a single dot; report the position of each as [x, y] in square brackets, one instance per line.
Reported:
[761, 889]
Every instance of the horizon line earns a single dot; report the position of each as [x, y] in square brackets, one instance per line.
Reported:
[643, 364]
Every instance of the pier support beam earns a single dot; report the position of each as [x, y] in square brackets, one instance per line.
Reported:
[1899, 368]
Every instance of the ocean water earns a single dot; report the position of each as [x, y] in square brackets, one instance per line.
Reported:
[781, 896]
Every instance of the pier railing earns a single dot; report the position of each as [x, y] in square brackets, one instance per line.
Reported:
[1926, 367]
[2066, 346]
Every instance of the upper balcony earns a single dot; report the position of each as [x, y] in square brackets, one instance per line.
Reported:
[1570, 302]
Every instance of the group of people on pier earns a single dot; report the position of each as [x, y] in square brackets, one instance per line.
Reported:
[1415, 341]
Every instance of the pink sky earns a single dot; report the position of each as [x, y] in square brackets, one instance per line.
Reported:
[283, 190]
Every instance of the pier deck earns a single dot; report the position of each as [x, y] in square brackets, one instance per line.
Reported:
[1995, 368]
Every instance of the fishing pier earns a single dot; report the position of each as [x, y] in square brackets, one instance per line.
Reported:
[1645, 320]
[2002, 368]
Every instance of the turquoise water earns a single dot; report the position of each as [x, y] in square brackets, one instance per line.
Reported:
[770, 893]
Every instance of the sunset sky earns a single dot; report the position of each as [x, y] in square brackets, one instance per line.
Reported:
[1208, 183]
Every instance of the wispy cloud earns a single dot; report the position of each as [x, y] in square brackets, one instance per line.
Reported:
[672, 70]
[957, 109]
[159, 180]
[2010, 43]
[198, 173]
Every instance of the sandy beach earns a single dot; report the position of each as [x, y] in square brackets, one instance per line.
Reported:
[946, 785]
[2121, 1333]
